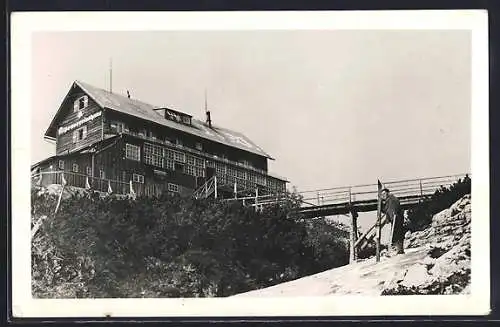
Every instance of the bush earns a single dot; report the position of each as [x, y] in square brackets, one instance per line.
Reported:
[420, 216]
[174, 246]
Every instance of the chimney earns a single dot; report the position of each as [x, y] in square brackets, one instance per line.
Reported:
[128, 94]
[209, 120]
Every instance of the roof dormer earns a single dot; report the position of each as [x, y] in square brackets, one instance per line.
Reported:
[176, 116]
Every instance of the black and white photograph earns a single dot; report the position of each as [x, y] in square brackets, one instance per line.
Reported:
[250, 164]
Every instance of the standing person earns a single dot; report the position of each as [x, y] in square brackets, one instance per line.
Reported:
[392, 208]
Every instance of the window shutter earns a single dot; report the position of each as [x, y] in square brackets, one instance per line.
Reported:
[76, 105]
[75, 136]
[85, 101]
[85, 132]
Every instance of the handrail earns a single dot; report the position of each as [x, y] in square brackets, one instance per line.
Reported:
[389, 182]
[79, 174]
[346, 194]
[206, 189]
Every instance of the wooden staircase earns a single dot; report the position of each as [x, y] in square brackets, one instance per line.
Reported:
[207, 189]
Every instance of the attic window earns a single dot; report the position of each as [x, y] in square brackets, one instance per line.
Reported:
[199, 146]
[80, 103]
[177, 116]
[79, 134]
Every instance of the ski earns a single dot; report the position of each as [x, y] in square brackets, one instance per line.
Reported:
[392, 230]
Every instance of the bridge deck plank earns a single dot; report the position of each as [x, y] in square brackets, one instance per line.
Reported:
[360, 206]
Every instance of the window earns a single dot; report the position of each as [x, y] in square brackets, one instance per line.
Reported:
[169, 164]
[119, 127]
[61, 164]
[153, 155]
[178, 142]
[133, 152]
[124, 176]
[138, 178]
[198, 146]
[188, 169]
[190, 160]
[158, 161]
[220, 168]
[75, 168]
[231, 171]
[80, 103]
[241, 174]
[199, 172]
[89, 171]
[210, 164]
[79, 134]
[179, 156]
[102, 174]
[199, 162]
[173, 187]
[186, 120]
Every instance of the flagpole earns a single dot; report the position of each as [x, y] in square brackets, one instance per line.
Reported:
[63, 182]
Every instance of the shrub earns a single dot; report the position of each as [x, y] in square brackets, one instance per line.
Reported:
[421, 215]
[173, 246]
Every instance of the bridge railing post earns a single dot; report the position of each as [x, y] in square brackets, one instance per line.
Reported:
[353, 255]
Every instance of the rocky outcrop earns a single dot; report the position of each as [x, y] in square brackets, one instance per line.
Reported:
[446, 268]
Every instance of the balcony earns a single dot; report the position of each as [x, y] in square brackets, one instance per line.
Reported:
[196, 152]
[96, 184]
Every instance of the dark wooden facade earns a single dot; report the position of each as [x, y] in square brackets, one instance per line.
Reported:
[69, 126]
[107, 145]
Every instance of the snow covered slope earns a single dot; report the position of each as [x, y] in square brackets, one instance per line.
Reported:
[437, 261]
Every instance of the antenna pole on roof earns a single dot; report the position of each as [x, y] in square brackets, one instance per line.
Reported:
[206, 106]
[110, 75]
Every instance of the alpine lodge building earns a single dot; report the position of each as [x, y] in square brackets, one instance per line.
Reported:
[112, 143]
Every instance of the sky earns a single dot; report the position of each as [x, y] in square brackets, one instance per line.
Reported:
[333, 107]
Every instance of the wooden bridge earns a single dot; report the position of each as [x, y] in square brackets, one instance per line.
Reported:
[363, 198]
[345, 200]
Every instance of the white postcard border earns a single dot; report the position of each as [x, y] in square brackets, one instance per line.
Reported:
[24, 24]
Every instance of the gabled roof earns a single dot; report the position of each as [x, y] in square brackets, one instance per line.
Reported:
[145, 111]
